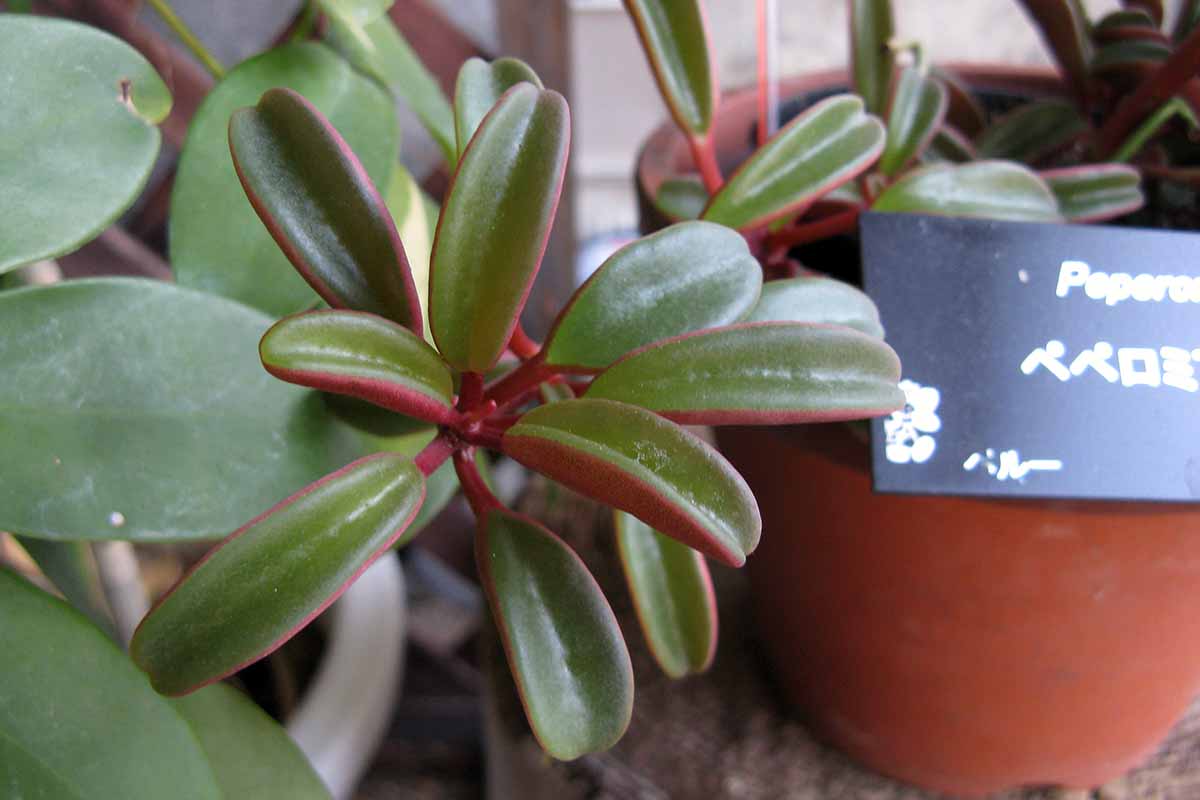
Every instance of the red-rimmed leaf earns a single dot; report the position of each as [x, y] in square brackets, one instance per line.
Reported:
[984, 189]
[562, 641]
[638, 462]
[812, 298]
[871, 31]
[1032, 131]
[480, 86]
[1096, 192]
[963, 110]
[773, 373]
[1132, 58]
[949, 144]
[1065, 30]
[315, 198]
[916, 111]
[1151, 8]
[686, 277]
[673, 595]
[1134, 23]
[364, 356]
[268, 579]
[675, 39]
[827, 145]
[682, 198]
[494, 225]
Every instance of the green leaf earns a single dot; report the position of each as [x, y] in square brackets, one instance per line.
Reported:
[949, 144]
[871, 31]
[355, 12]
[827, 145]
[494, 225]
[380, 50]
[134, 409]
[987, 189]
[689, 276]
[77, 134]
[415, 215]
[1133, 55]
[251, 755]
[673, 595]
[963, 110]
[817, 299]
[917, 110]
[364, 356]
[72, 569]
[480, 86]
[1032, 131]
[1096, 192]
[77, 720]
[1114, 21]
[271, 577]
[217, 242]
[562, 641]
[311, 192]
[675, 40]
[638, 462]
[777, 373]
[1064, 28]
[682, 198]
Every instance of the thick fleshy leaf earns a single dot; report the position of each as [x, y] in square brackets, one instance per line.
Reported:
[689, 276]
[871, 31]
[949, 145]
[311, 192]
[1064, 28]
[673, 595]
[682, 198]
[638, 462]
[480, 86]
[217, 242]
[355, 12]
[77, 134]
[380, 50]
[1096, 191]
[963, 110]
[562, 641]
[1124, 24]
[986, 189]
[269, 578]
[1132, 56]
[494, 225]
[77, 720]
[1032, 130]
[415, 215]
[1151, 8]
[813, 298]
[916, 112]
[134, 409]
[675, 39]
[775, 373]
[72, 569]
[250, 753]
[364, 356]
[827, 145]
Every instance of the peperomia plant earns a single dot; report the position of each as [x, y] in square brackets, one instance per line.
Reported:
[902, 142]
[653, 339]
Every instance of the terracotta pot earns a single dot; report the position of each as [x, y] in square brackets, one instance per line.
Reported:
[964, 645]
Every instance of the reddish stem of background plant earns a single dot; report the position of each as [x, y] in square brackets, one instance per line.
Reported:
[762, 72]
[521, 345]
[833, 225]
[704, 153]
[1159, 87]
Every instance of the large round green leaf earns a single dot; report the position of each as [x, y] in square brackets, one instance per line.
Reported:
[217, 242]
[1095, 192]
[77, 720]
[134, 409]
[689, 276]
[494, 225]
[827, 145]
[251, 755]
[676, 43]
[673, 595]
[253, 591]
[327, 217]
[638, 462]
[774, 373]
[985, 189]
[77, 134]
[562, 641]
[812, 298]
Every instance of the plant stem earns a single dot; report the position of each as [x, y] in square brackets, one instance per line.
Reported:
[833, 225]
[1159, 87]
[520, 380]
[470, 391]
[187, 37]
[705, 156]
[521, 345]
[477, 493]
[435, 453]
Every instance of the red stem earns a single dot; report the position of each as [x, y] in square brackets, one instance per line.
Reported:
[470, 391]
[521, 379]
[1158, 87]
[833, 225]
[521, 345]
[477, 493]
[705, 155]
[435, 453]
[762, 72]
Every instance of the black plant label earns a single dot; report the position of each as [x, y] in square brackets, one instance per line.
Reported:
[1039, 360]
